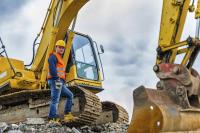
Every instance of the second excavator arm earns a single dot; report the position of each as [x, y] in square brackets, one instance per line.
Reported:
[174, 106]
[171, 29]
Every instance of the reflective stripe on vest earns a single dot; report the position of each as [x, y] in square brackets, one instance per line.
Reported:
[59, 67]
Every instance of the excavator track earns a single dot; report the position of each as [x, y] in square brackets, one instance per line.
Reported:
[18, 106]
[112, 112]
[90, 107]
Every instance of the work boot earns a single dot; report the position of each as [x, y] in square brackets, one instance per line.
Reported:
[54, 122]
[68, 117]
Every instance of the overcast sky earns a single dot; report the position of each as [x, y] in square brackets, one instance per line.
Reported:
[128, 30]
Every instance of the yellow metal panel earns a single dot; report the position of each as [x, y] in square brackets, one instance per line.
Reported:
[49, 50]
[22, 84]
[26, 75]
[181, 21]
[26, 81]
[173, 56]
[68, 13]
[187, 56]
[197, 12]
[179, 29]
[72, 79]
[86, 83]
[68, 47]
[181, 51]
[72, 74]
[174, 46]
[5, 76]
[168, 22]
[16, 64]
[99, 73]
[172, 22]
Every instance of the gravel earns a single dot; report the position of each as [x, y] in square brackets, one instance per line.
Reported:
[40, 125]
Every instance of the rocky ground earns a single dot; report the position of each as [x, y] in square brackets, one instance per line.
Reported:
[39, 125]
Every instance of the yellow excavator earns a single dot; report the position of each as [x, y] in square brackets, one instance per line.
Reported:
[175, 105]
[23, 88]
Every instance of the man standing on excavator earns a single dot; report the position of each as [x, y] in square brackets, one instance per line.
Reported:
[56, 81]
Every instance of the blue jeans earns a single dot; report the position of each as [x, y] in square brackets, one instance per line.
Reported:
[55, 97]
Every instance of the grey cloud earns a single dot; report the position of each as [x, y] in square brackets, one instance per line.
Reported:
[20, 26]
[141, 44]
[120, 61]
[124, 54]
[10, 6]
[126, 72]
[121, 44]
[117, 45]
[130, 83]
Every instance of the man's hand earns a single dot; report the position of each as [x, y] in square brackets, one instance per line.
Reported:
[58, 84]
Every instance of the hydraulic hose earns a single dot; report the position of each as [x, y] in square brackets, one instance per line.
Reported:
[4, 51]
[33, 57]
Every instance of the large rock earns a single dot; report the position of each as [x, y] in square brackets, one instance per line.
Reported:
[74, 130]
[3, 127]
[15, 131]
[14, 126]
[35, 121]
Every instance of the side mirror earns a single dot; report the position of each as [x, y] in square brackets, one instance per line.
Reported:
[102, 49]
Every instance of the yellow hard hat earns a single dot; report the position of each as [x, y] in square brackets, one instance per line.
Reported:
[60, 43]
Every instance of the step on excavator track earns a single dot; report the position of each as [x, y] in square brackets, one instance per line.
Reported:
[90, 107]
[18, 106]
[112, 112]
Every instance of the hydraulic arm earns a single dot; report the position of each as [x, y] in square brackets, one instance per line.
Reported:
[171, 28]
[175, 104]
[59, 17]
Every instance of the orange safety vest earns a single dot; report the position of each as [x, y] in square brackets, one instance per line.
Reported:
[59, 67]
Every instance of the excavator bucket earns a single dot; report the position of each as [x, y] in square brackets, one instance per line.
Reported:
[173, 107]
[155, 112]
[147, 116]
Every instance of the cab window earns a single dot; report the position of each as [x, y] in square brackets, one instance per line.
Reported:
[84, 56]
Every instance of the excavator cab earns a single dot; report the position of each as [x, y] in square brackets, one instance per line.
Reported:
[82, 67]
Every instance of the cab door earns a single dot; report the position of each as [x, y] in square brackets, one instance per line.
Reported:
[82, 67]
